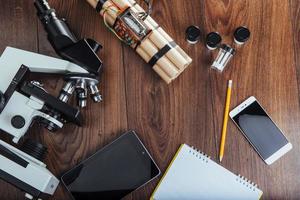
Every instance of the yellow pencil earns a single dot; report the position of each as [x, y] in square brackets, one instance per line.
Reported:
[225, 121]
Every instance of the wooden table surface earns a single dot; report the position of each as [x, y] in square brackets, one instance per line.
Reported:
[190, 110]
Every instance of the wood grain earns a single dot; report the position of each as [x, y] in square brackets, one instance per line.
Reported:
[17, 29]
[189, 110]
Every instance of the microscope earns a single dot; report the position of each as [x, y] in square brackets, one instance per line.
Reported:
[23, 102]
[81, 52]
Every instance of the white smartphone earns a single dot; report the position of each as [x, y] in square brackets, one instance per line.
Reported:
[260, 130]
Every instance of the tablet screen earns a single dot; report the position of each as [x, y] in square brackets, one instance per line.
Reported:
[113, 172]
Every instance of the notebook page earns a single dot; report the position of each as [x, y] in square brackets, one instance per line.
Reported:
[193, 176]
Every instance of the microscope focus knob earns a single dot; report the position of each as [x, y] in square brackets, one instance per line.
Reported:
[34, 149]
[18, 122]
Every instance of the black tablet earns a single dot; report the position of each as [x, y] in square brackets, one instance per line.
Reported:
[113, 172]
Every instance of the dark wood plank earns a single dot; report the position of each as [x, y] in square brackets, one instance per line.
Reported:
[18, 27]
[258, 69]
[294, 18]
[169, 115]
[295, 37]
[264, 67]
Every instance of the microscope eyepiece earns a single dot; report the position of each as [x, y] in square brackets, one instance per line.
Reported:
[81, 52]
[45, 12]
[42, 6]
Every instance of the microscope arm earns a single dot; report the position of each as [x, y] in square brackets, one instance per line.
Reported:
[39, 63]
[12, 59]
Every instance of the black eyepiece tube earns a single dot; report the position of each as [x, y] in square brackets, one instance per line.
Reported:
[82, 52]
[42, 6]
[59, 33]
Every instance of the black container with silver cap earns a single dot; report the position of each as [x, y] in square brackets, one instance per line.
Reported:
[193, 34]
[241, 35]
[213, 40]
[225, 54]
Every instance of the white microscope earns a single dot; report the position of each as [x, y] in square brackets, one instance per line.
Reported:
[23, 102]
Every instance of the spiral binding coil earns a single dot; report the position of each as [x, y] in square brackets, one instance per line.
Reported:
[200, 154]
[248, 183]
[239, 178]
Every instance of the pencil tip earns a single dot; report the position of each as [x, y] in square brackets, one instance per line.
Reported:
[221, 158]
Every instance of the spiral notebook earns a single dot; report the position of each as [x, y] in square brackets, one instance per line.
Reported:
[192, 175]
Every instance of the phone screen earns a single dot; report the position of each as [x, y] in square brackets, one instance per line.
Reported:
[260, 130]
[113, 172]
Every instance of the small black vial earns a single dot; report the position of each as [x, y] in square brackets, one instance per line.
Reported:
[193, 34]
[213, 40]
[241, 35]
